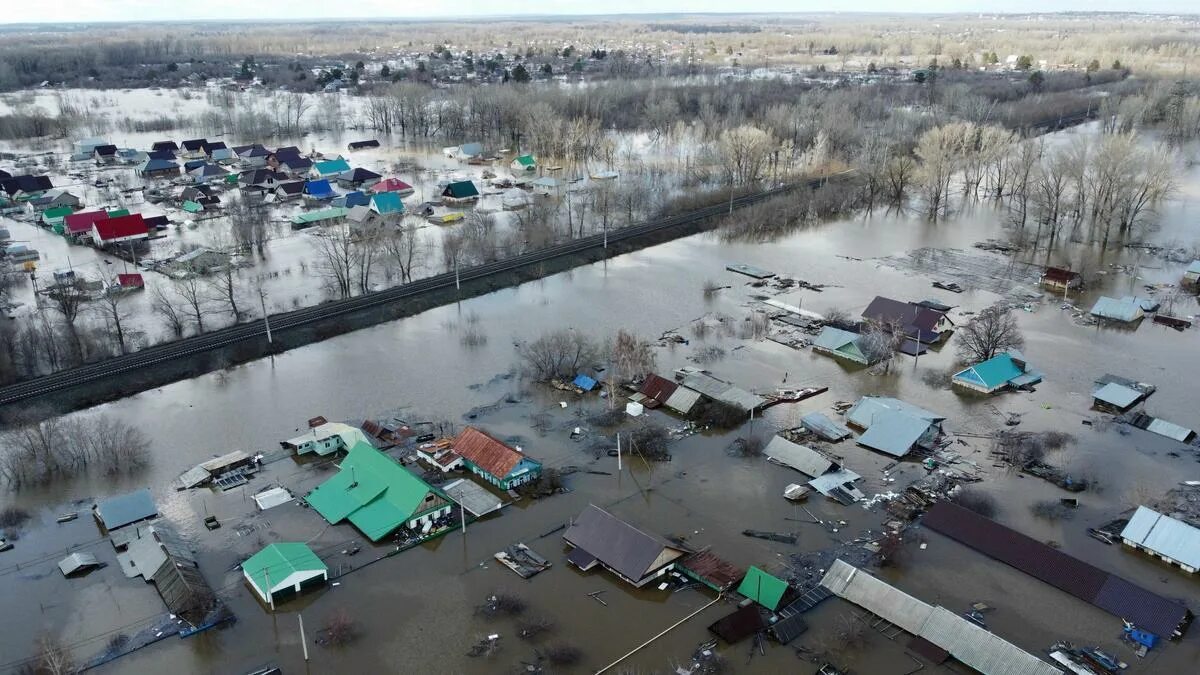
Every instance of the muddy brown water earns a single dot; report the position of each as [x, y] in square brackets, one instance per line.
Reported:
[416, 610]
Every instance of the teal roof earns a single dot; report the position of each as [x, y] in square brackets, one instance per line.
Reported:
[322, 215]
[332, 167]
[995, 372]
[387, 202]
[279, 561]
[843, 342]
[763, 588]
[192, 207]
[374, 492]
[461, 190]
[526, 161]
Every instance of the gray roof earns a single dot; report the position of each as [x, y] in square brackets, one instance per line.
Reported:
[720, 390]
[821, 425]
[117, 512]
[77, 562]
[476, 500]
[799, 457]
[682, 400]
[842, 478]
[1170, 430]
[1117, 394]
[1165, 536]
[1194, 268]
[894, 433]
[974, 646]
[1119, 310]
[615, 543]
[865, 409]
[834, 338]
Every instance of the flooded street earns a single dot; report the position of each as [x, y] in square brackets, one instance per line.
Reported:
[416, 609]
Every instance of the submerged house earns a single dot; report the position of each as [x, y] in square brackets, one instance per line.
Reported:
[599, 538]
[393, 185]
[914, 320]
[1191, 276]
[1061, 280]
[764, 589]
[1164, 537]
[334, 214]
[319, 190]
[1007, 370]
[460, 192]
[358, 178]
[387, 204]
[501, 465]
[1125, 310]
[325, 439]
[158, 168]
[894, 427]
[842, 344]
[524, 163]
[330, 168]
[282, 569]
[378, 496]
[120, 511]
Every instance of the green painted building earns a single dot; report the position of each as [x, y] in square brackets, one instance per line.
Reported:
[378, 496]
[763, 588]
[283, 568]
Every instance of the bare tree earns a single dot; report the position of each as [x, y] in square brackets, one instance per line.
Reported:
[68, 298]
[337, 255]
[557, 355]
[248, 226]
[112, 310]
[53, 658]
[163, 304]
[193, 292]
[743, 153]
[899, 175]
[879, 343]
[631, 357]
[402, 248]
[224, 287]
[991, 331]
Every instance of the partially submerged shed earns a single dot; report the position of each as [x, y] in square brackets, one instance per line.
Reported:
[824, 428]
[114, 513]
[799, 457]
[77, 562]
[1125, 310]
[894, 427]
[283, 568]
[1003, 371]
[1170, 539]
[763, 588]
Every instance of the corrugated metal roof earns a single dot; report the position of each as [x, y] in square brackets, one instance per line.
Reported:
[974, 646]
[1118, 310]
[476, 500]
[865, 409]
[894, 433]
[720, 390]
[1170, 430]
[1164, 535]
[821, 425]
[1142, 607]
[839, 479]
[683, 400]
[77, 562]
[486, 452]
[117, 512]
[799, 457]
[765, 589]
[1117, 394]
[658, 388]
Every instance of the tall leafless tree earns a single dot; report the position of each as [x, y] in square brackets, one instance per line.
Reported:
[991, 331]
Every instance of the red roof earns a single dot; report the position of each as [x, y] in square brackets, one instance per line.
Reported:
[391, 185]
[130, 280]
[486, 452]
[658, 388]
[121, 227]
[78, 223]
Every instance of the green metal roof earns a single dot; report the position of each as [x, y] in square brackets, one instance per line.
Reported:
[762, 588]
[526, 160]
[192, 207]
[279, 561]
[117, 213]
[322, 215]
[332, 167]
[994, 372]
[375, 493]
[461, 190]
[57, 213]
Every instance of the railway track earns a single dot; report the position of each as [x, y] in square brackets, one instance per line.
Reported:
[280, 323]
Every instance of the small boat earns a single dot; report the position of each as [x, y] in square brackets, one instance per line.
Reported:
[796, 492]
[67, 517]
[446, 218]
[951, 286]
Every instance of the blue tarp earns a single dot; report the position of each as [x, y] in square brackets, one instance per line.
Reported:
[584, 382]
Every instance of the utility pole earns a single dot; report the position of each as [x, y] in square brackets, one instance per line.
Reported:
[262, 299]
[303, 640]
[463, 512]
[618, 452]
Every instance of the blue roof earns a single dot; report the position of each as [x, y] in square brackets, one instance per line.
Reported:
[192, 164]
[584, 382]
[319, 188]
[1121, 310]
[159, 165]
[894, 433]
[122, 510]
[332, 166]
[356, 198]
[993, 373]
[387, 202]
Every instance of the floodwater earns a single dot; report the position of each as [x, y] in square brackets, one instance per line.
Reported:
[416, 610]
[289, 272]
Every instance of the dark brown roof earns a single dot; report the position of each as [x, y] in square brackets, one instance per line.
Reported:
[739, 625]
[658, 388]
[713, 569]
[915, 319]
[1059, 274]
[486, 452]
[1091, 584]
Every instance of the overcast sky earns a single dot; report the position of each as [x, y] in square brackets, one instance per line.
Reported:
[54, 11]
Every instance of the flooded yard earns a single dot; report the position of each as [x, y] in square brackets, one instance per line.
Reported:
[416, 610]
